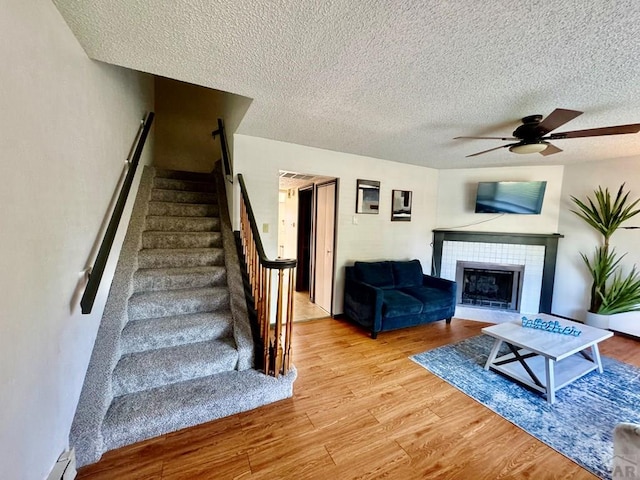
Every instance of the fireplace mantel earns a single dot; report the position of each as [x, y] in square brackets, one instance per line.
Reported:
[548, 240]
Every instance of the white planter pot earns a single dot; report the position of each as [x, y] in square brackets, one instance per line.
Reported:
[628, 323]
[597, 320]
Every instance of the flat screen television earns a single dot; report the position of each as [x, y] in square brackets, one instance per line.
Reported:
[510, 197]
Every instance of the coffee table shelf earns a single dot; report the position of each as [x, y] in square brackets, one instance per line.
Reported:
[566, 371]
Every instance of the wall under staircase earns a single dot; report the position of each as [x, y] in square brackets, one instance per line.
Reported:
[174, 348]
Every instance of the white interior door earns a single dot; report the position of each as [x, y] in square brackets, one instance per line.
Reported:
[324, 244]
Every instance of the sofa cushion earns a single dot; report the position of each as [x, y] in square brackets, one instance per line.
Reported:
[432, 298]
[407, 274]
[397, 304]
[378, 274]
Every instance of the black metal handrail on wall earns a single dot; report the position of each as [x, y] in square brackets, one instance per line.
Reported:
[226, 161]
[275, 325]
[95, 275]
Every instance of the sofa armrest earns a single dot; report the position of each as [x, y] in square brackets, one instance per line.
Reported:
[440, 284]
[363, 303]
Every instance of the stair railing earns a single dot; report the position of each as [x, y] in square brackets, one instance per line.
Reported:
[96, 272]
[271, 281]
[226, 163]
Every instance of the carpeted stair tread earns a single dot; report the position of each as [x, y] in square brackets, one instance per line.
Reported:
[180, 405]
[182, 224]
[152, 239]
[186, 185]
[177, 302]
[177, 196]
[184, 175]
[152, 279]
[183, 209]
[150, 333]
[180, 257]
[154, 368]
[178, 350]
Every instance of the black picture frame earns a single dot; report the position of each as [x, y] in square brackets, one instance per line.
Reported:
[401, 205]
[368, 196]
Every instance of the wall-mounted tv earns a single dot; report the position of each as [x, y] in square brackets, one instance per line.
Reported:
[510, 197]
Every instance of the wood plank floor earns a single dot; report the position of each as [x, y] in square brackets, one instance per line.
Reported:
[361, 409]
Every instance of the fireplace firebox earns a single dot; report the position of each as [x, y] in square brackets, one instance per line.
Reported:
[489, 285]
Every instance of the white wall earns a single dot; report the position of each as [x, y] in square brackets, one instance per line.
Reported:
[288, 223]
[572, 282]
[66, 126]
[457, 193]
[375, 236]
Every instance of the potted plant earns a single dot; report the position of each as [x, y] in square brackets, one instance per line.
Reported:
[611, 291]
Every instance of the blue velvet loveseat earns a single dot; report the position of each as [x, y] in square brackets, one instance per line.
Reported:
[387, 295]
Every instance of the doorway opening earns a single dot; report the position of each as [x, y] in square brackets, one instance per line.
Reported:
[306, 232]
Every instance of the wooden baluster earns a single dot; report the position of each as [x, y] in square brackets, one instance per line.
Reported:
[256, 272]
[261, 305]
[277, 346]
[289, 324]
[252, 273]
[266, 322]
[243, 234]
[249, 256]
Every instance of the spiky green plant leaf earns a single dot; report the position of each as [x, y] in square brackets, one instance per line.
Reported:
[622, 295]
[605, 215]
[601, 267]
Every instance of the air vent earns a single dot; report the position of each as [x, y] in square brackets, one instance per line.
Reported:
[296, 176]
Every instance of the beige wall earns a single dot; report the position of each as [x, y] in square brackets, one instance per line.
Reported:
[66, 126]
[453, 191]
[186, 116]
[288, 223]
[572, 282]
[374, 236]
[457, 193]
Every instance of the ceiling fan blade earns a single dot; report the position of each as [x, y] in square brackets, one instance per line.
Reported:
[506, 139]
[596, 132]
[556, 119]
[550, 150]
[490, 150]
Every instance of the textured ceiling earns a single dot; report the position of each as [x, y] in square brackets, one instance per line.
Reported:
[391, 79]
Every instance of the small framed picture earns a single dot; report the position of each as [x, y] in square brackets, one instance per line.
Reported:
[401, 206]
[368, 196]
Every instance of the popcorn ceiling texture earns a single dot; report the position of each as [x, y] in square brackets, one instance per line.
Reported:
[394, 80]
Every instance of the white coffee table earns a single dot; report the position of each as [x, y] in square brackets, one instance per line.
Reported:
[545, 361]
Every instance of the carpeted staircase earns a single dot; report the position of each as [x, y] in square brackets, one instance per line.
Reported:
[174, 348]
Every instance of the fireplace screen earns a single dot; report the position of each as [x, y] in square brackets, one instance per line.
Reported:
[489, 285]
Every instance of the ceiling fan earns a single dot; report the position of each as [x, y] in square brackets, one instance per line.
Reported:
[534, 134]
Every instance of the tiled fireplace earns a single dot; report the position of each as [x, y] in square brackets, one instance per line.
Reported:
[490, 257]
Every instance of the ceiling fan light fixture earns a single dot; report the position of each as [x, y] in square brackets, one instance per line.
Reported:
[524, 148]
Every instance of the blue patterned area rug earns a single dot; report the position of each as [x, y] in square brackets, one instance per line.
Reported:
[579, 424]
